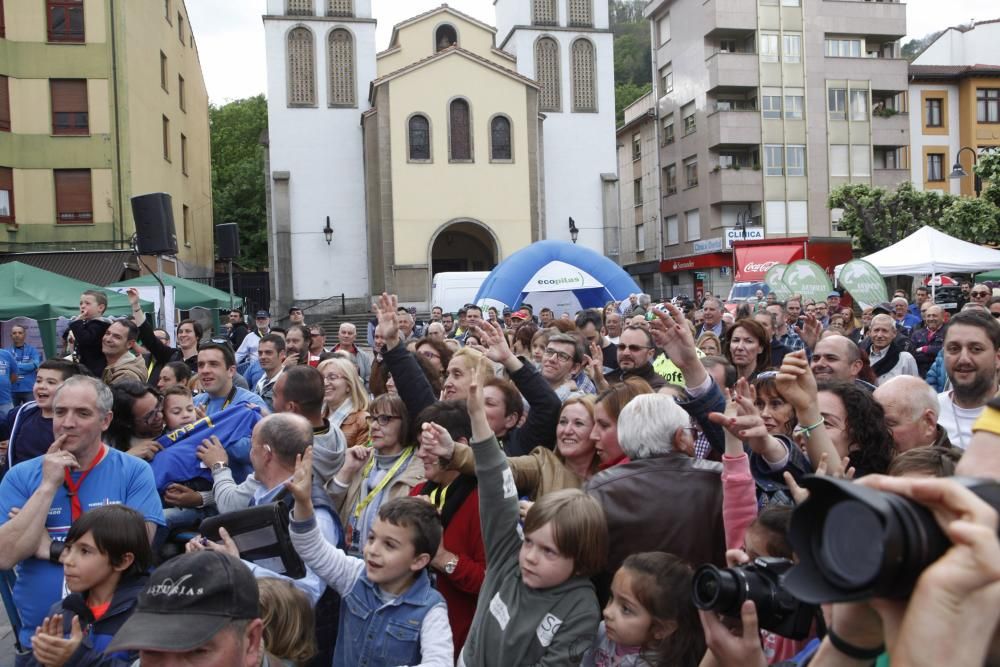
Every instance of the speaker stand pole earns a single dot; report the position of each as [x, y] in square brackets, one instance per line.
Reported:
[232, 299]
[161, 320]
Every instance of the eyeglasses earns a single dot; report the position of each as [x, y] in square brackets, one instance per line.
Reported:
[430, 354]
[634, 348]
[383, 420]
[331, 378]
[153, 415]
[979, 293]
[561, 356]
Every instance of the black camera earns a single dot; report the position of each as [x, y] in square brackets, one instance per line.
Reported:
[725, 591]
[854, 542]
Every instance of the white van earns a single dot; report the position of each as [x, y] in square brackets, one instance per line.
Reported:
[452, 290]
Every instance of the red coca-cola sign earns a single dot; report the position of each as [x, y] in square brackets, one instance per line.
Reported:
[752, 262]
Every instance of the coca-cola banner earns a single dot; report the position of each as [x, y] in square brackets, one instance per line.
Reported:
[808, 279]
[753, 262]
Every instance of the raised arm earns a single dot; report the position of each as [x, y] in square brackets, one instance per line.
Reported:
[411, 383]
[797, 385]
[161, 353]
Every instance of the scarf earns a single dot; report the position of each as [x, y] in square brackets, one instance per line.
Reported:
[458, 491]
[338, 416]
[888, 362]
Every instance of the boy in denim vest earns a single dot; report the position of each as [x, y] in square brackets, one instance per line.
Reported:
[389, 613]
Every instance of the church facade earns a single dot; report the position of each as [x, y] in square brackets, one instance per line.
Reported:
[449, 151]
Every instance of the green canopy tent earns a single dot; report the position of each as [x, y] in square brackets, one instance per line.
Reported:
[43, 296]
[188, 294]
[989, 275]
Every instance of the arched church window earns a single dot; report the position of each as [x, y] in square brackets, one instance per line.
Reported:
[300, 8]
[444, 37]
[584, 88]
[343, 8]
[500, 139]
[544, 12]
[460, 131]
[301, 68]
[419, 136]
[548, 74]
[581, 13]
[340, 61]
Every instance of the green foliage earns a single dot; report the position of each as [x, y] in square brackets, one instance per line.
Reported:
[625, 94]
[913, 47]
[876, 218]
[988, 169]
[238, 174]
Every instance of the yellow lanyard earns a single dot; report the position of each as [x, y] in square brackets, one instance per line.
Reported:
[362, 504]
[149, 370]
[444, 494]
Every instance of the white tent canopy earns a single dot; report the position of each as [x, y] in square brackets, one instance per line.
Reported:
[929, 251]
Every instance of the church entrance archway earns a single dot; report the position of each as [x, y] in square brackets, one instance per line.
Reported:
[463, 246]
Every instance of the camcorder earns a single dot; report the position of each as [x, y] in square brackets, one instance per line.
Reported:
[725, 590]
[854, 542]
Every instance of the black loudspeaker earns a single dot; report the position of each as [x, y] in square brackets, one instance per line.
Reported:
[154, 224]
[227, 240]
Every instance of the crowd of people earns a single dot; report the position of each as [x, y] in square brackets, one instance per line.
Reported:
[488, 488]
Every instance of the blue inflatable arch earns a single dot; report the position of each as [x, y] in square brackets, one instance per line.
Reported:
[558, 274]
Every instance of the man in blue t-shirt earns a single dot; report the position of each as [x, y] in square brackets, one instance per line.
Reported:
[79, 472]
[216, 370]
[28, 359]
[8, 375]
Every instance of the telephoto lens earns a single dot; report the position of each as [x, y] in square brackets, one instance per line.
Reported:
[725, 591]
[855, 543]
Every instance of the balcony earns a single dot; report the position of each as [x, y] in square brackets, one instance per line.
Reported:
[885, 74]
[889, 178]
[735, 185]
[739, 71]
[891, 130]
[733, 127]
[876, 21]
[728, 15]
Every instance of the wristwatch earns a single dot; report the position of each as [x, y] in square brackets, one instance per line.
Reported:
[449, 567]
[219, 466]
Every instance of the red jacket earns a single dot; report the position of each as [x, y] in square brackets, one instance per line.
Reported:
[460, 590]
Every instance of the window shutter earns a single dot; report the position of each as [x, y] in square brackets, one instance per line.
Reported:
[547, 73]
[73, 196]
[545, 12]
[341, 65]
[301, 68]
[69, 106]
[300, 7]
[584, 97]
[581, 13]
[4, 103]
[461, 142]
[339, 8]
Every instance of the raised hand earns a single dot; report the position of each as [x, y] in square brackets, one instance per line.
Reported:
[56, 461]
[354, 460]
[810, 331]
[226, 546]
[385, 307]
[435, 439]
[477, 406]
[300, 485]
[674, 337]
[795, 381]
[48, 645]
[493, 339]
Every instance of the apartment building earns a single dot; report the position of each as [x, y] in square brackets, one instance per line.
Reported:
[102, 100]
[639, 195]
[955, 85]
[764, 106]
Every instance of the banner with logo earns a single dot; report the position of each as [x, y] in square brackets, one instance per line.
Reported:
[559, 276]
[753, 261]
[773, 279]
[808, 279]
[864, 282]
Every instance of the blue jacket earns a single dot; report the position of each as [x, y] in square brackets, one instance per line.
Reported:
[937, 377]
[372, 632]
[29, 434]
[97, 635]
[28, 360]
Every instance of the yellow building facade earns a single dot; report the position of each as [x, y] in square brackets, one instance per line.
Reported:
[104, 100]
[452, 154]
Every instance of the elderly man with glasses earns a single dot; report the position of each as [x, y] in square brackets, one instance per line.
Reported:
[980, 294]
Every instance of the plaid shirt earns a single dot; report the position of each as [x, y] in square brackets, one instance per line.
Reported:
[792, 341]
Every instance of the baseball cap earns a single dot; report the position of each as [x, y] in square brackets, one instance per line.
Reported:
[833, 293]
[506, 311]
[189, 599]
[262, 314]
[519, 315]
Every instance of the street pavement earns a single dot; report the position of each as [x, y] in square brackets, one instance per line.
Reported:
[6, 642]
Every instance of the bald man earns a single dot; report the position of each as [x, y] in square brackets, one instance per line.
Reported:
[911, 413]
[888, 358]
[980, 294]
[837, 358]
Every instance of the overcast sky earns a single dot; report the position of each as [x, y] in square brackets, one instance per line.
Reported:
[230, 33]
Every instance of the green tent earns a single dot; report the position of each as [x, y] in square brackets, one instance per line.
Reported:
[188, 294]
[989, 275]
[43, 296]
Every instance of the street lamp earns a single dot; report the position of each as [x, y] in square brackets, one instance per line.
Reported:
[958, 172]
[574, 233]
[328, 231]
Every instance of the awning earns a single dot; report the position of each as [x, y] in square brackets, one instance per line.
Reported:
[754, 261]
[709, 260]
[99, 267]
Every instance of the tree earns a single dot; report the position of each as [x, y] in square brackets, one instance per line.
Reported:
[876, 218]
[238, 174]
[988, 169]
[914, 47]
[633, 57]
[625, 94]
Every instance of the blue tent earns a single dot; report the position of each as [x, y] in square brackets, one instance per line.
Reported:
[556, 274]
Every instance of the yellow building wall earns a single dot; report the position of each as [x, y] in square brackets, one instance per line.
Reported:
[94, 21]
[971, 132]
[30, 108]
[99, 103]
[102, 185]
[427, 196]
[148, 33]
[25, 21]
[416, 42]
[34, 196]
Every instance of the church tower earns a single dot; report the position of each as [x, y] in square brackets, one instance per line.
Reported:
[568, 48]
[320, 62]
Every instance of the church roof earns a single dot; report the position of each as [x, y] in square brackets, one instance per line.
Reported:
[445, 53]
[444, 8]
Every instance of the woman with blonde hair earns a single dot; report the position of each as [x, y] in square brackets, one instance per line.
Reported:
[345, 400]
[289, 630]
[710, 344]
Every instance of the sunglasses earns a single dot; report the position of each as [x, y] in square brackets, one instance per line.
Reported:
[634, 348]
[980, 293]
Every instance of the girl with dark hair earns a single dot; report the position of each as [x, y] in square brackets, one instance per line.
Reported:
[856, 424]
[650, 619]
[105, 558]
[747, 347]
[175, 373]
